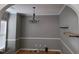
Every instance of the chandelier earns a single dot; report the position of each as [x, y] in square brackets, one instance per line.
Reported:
[34, 17]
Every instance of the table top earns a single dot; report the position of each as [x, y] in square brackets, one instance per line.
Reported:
[36, 52]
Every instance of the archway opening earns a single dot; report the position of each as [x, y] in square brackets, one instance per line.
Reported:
[32, 32]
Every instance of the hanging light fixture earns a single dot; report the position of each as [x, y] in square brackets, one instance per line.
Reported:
[34, 17]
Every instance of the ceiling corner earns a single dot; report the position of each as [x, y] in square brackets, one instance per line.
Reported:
[61, 10]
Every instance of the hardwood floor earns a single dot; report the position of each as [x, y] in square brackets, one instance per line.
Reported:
[36, 52]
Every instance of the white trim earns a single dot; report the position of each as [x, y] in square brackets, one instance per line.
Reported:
[45, 14]
[39, 38]
[65, 45]
[11, 39]
[61, 10]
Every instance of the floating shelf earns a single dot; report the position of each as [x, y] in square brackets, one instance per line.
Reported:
[64, 27]
[71, 34]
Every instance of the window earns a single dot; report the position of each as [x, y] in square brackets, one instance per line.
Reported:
[3, 34]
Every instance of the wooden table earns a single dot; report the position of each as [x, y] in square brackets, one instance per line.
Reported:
[36, 52]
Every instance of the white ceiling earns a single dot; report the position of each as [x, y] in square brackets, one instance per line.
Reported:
[41, 9]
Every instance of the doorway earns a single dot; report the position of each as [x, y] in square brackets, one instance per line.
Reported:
[3, 35]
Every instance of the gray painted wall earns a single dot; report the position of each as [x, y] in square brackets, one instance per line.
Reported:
[47, 27]
[18, 29]
[18, 25]
[12, 27]
[69, 18]
[35, 43]
[12, 32]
